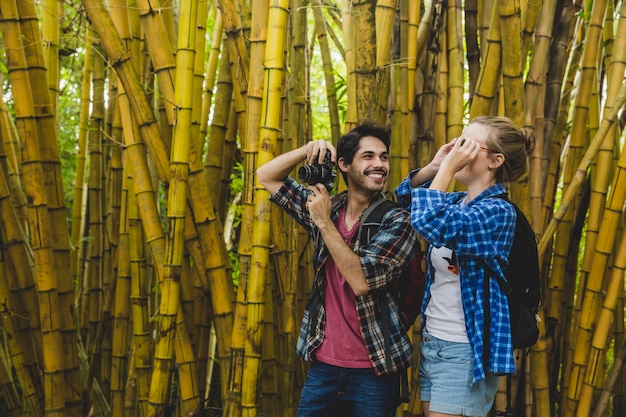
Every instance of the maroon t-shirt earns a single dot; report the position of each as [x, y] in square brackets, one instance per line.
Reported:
[343, 343]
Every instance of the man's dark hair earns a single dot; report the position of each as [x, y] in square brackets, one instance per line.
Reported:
[349, 143]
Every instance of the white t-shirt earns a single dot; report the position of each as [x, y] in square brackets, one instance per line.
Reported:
[444, 312]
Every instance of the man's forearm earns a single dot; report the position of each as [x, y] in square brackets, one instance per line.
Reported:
[273, 174]
[346, 260]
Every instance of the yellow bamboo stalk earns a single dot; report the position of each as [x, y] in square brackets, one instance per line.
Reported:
[286, 273]
[556, 102]
[490, 71]
[603, 330]
[455, 90]
[208, 229]
[255, 101]
[187, 369]
[399, 99]
[15, 340]
[577, 145]
[274, 76]
[593, 291]
[140, 284]
[555, 122]
[535, 79]
[121, 63]
[199, 74]
[38, 215]
[471, 43]
[51, 166]
[213, 63]
[169, 314]
[21, 282]
[154, 25]
[612, 380]
[419, 150]
[298, 120]
[608, 119]
[349, 45]
[93, 283]
[269, 401]
[539, 375]
[534, 96]
[11, 144]
[440, 101]
[367, 97]
[8, 386]
[412, 30]
[238, 52]
[384, 18]
[584, 93]
[602, 169]
[121, 312]
[213, 158]
[143, 187]
[51, 11]
[81, 158]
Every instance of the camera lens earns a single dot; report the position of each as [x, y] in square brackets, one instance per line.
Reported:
[309, 174]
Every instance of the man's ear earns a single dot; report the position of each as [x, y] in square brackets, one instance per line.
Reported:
[343, 166]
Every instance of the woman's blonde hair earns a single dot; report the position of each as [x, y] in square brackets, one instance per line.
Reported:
[514, 143]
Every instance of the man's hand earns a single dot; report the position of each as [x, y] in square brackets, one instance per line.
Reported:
[316, 151]
[272, 175]
[318, 204]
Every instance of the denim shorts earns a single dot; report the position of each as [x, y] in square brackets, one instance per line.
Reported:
[445, 379]
[334, 391]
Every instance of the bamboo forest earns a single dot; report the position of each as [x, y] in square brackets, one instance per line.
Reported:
[144, 270]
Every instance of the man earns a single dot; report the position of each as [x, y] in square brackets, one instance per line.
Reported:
[357, 357]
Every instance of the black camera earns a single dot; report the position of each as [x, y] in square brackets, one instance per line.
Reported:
[317, 173]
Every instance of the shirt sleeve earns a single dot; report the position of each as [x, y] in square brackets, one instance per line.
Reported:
[403, 191]
[387, 253]
[292, 198]
[483, 228]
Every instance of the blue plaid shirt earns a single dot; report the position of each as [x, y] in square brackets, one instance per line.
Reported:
[382, 259]
[480, 231]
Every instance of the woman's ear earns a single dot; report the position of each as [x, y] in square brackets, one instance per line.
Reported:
[497, 160]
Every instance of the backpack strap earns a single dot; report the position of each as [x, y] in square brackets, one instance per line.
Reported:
[370, 223]
[372, 217]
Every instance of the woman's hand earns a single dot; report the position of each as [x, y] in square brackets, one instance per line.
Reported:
[461, 152]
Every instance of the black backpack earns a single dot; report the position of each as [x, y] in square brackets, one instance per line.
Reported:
[409, 291]
[523, 284]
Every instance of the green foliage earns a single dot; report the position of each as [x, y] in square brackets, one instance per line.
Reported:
[234, 218]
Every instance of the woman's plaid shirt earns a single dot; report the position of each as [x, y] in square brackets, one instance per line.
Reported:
[382, 259]
[480, 231]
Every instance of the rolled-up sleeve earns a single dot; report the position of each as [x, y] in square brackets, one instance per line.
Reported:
[387, 253]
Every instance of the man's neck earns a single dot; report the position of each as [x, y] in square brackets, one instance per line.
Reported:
[356, 205]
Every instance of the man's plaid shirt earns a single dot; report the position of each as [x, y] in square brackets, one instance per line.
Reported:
[480, 231]
[382, 260]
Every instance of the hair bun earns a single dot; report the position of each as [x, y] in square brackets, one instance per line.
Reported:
[529, 135]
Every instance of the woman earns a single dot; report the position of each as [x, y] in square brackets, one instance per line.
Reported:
[467, 232]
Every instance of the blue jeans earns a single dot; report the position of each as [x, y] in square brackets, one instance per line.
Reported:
[331, 391]
[446, 375]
